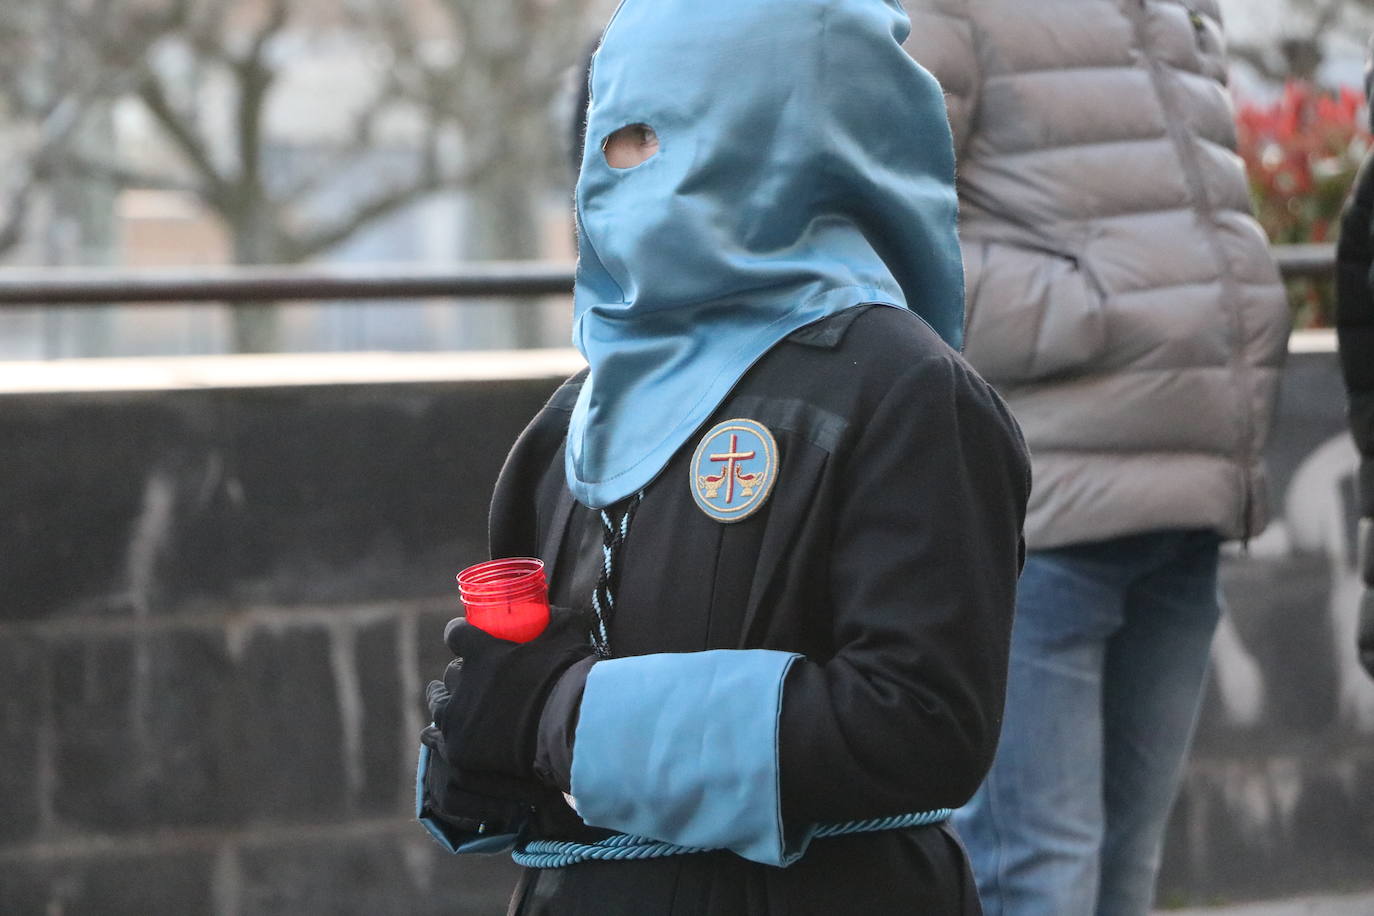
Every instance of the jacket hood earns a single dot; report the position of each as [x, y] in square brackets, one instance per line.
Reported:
[805, 166]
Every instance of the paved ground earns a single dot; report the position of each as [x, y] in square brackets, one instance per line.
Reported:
[1342, 905]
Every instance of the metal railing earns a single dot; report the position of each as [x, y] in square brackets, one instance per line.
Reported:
[1308, 262]
[28, 287]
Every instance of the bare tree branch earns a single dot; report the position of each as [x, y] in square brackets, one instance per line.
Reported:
[255, 78]
[16, 213]
[1260, 60]
[332, 163]
[471, 69]
[306, 245]
[101, 42]
[1327, 15]
[177, 126]
[124, 176]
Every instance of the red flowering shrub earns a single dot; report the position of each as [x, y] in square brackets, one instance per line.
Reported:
[1301, 153]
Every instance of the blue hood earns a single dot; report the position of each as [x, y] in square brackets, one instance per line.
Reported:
[805, 166]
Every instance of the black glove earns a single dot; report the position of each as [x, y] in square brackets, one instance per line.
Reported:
[454, 801]
[488, 706]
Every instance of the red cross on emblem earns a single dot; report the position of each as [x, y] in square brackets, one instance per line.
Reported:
[731, 458]
[751, 447]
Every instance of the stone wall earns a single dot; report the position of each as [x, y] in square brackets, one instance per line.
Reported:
[1279, 795]
[219, 608]
[222, 594]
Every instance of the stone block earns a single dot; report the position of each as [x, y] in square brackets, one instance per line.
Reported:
[1299, 698]
[383, 754]
[141, 738]
[1251, 830]
[73, 519]
[1332, 837]
[360, 493]
[187, 501]
[284, 728]
[24, 887]
[159, 882]
[23, 693]
[355, 875]
[173, 730]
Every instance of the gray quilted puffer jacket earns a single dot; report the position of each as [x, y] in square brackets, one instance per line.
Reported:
[1120, 295]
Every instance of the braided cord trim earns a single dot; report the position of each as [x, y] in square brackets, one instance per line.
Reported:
[559, 853]
[894, 822]
[613, 533]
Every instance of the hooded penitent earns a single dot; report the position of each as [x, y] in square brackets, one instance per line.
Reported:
[805, 166]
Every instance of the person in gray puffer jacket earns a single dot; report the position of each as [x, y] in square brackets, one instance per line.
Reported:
[1124, 302]
[1355, 333]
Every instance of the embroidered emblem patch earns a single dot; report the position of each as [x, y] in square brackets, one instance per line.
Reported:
[733, 469]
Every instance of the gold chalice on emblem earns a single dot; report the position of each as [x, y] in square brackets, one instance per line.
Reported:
[750, 482]
[710, 485]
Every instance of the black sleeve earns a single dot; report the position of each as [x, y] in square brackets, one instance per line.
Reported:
[513, 525]
[905, 716]
[1354, 296]
[1355, 331]
[558, 727]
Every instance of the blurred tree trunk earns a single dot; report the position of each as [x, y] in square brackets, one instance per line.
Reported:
[526, 49]
[502, 226]
[255, 326]
[76, 219]
[82, 231]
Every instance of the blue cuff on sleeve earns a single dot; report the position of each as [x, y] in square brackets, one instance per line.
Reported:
[453, 840]
[683, 748]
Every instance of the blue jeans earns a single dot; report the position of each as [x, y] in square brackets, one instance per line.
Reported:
[1108, 661]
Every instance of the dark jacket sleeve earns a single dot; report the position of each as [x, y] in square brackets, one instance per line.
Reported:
[1355, 331]
[514, 525]
[905, 716]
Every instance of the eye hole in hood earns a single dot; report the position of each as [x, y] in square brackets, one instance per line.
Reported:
[630, 146]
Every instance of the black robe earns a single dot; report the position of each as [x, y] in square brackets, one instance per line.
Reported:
[887, 554]
[1355, 333]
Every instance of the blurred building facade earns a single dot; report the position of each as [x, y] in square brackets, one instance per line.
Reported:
[356, 105]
